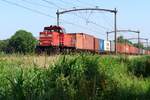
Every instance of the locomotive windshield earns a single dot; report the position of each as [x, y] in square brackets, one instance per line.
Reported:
[54, 29]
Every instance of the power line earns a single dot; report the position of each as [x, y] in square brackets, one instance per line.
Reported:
[64, 2]
[51, 3]
[100, 26]
[108, 23]
[33, 10]
[89, 15]
[80, 26]
[85, 3]
[91, 22]
[35, 3]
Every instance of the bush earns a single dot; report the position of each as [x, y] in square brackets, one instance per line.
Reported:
[140, 66]
[77, 78]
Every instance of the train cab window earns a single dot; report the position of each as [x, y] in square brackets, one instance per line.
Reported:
[54, 29]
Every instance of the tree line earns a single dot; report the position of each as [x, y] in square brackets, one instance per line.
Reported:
[21, 42]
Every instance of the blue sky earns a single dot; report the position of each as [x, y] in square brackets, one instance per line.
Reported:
[132, 14]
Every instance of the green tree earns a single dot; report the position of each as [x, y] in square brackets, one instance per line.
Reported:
[139, 45]
[121, 39]
[3, 45]
[147, 48]
[22, 42]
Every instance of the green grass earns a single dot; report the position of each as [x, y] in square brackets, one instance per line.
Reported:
[74, 77]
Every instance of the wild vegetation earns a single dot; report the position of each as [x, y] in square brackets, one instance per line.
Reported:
[74, 77]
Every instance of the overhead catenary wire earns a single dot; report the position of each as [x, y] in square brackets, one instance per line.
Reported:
[91, 22]
[70, 4]
[29, 9]
[85, 3]
[87, 18]
[80, 26]
[51, 3]
[108, 23]
[95, 6]
[37, 4]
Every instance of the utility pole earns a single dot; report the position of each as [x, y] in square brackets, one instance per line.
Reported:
[107, 35]
[147, 43]
[139, 42]
[57, 13]
[115, 29]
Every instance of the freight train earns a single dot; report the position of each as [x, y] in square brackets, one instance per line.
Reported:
[55, 39]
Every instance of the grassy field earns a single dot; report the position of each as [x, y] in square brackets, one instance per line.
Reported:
[30, 60]
[74, 77]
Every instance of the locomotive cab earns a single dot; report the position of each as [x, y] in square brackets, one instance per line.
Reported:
[51, 36]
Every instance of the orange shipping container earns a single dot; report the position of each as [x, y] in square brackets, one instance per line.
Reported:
[80, 41]
[146, 52]
[69, 40]
[127, 48]
[96, 44]
[137, 50]
[133, 50]
[84, 41]
[120, 48]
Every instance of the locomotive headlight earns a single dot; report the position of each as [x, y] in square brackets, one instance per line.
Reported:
[42, 35]
[49, 35]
